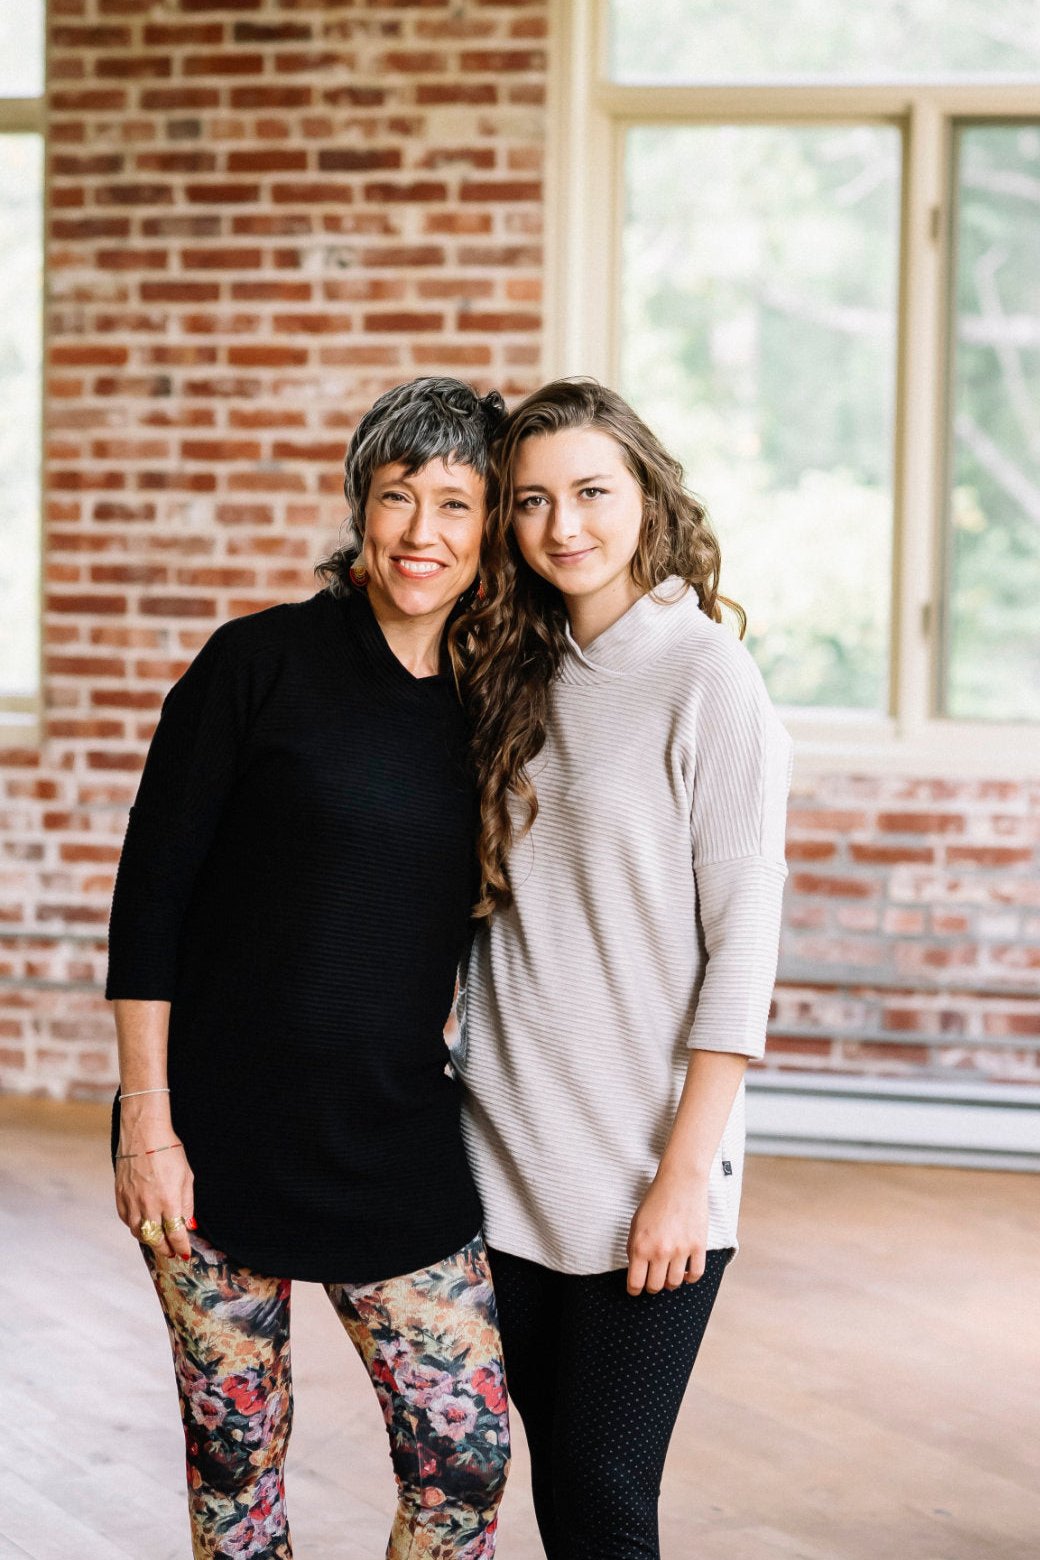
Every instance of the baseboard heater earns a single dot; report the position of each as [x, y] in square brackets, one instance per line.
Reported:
[895, 1120]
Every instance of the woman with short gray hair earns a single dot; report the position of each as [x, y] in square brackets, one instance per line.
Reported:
[291, 905]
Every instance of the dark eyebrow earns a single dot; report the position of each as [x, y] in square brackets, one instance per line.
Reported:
[536, 487]
[442, 492]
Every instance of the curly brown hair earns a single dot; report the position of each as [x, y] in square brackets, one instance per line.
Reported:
[507, 651]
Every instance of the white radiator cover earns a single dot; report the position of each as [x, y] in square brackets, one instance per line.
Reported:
[902, 1121]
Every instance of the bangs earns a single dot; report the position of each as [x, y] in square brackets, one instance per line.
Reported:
[414, 440]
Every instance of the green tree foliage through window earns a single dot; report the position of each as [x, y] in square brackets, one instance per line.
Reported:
[21, 265]
[993, 633]
[759, 300]
[21, 48]
[769, 40]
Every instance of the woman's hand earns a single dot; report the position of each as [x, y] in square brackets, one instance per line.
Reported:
[150, 1185]
[668, 1238]
[669, 1234]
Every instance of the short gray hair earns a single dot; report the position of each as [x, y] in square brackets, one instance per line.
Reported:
[412, 424]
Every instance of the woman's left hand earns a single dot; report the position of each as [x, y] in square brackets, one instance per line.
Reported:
[668, 1238]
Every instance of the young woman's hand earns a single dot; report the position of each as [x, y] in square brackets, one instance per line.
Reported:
[155, 1187]
[667, 1241]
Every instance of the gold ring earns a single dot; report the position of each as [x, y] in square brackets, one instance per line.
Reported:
[150, 1232]
[174, 1224]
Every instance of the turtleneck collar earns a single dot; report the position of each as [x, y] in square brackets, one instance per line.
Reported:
[639, 635]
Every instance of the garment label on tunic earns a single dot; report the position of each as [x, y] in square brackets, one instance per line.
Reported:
[727, 1168]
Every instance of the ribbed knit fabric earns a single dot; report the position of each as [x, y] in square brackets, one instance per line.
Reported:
[296, 880]
[645, 920]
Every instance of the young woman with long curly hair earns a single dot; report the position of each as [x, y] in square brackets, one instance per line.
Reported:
[634, 779]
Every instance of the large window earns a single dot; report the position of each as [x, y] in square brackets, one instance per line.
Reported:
[21, 271]
[759, 300]
[993, 623]
[805, 40]
[804, 240]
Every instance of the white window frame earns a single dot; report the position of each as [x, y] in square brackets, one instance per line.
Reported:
[588, 117]
[20, 714]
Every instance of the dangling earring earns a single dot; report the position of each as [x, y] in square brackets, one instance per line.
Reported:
[358, 573]
[481, 591]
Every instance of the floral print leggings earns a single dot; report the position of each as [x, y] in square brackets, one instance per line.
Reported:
[430, 1344]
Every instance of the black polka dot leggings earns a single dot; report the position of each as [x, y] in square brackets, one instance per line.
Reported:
[597, 1376]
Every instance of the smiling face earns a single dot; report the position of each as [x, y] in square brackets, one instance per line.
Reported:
[577, 516]
[422, 539]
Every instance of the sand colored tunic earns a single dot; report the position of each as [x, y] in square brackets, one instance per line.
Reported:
[645, 921]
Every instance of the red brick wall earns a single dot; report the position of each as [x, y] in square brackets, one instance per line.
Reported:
[912, 929]
[262, 214]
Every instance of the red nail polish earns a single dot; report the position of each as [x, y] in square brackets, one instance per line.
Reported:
[193, 1224]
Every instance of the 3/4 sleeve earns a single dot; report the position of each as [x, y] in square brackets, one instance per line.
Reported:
[742, 773]
[189, 772]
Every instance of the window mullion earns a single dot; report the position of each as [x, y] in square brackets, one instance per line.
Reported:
[580, 203]
[21, 116]
[920, 412]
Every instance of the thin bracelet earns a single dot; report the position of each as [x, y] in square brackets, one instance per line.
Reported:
[144, 1153]
[135, 1092]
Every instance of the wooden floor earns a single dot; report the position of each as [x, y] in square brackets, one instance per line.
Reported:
[869, 1388]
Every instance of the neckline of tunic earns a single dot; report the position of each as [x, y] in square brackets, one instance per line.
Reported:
[360, 621]
[639, 635]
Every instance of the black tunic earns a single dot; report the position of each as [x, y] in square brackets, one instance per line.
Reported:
[296, 880]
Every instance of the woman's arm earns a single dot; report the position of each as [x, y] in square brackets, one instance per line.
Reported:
[154, 1179]
[667, 1242]
[188, 776]
[741, 777]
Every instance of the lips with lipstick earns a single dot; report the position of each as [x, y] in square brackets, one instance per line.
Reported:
[417, 568]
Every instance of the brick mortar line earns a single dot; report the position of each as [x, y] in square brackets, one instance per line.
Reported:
[789, 984]
[839, 1037]
[34, 983]
[928, 939]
